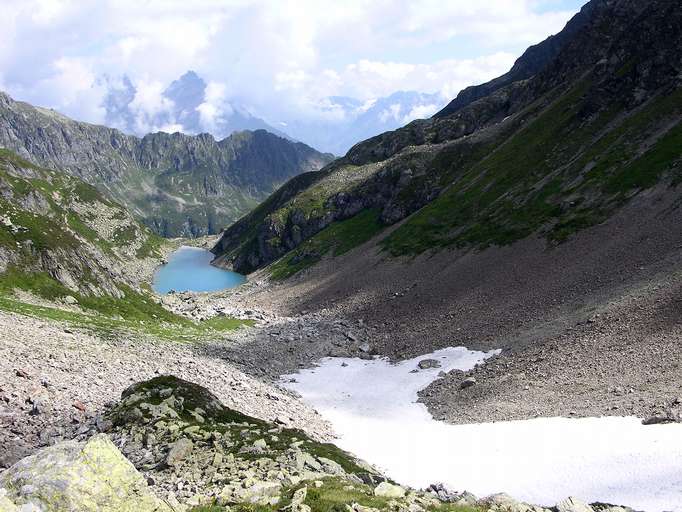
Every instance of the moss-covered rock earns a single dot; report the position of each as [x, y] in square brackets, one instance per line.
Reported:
[91, 476]
[234, 458]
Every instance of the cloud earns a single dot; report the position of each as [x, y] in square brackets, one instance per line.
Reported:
[421, 112]
[392, 112]
[279, 58]
[214, 106]
[368, 80]
[149, 105]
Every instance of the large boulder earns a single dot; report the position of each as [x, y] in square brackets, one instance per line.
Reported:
[572, 504]
[387, 490]
[77, 476]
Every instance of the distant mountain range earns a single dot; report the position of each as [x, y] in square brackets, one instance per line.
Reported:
[357, 120]
[190, 105]
[177, 184]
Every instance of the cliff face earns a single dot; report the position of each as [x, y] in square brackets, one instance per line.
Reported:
[179, 184]
[593, 119]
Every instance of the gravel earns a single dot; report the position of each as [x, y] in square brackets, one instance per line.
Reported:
[53, 383]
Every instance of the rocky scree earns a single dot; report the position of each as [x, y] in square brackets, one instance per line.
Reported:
[196, 454]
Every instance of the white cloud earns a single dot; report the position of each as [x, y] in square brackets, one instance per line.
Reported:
[214, 106]
[368, 80]
[420, 112]
[148, 104]
[391, 113]
[279, 57]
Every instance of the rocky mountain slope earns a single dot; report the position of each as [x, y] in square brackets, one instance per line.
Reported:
[177, 184]
[61, 236]
[188, 452]
[541, 219]
[584, 122]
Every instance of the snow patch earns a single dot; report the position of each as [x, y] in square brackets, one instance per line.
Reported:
[372, 406]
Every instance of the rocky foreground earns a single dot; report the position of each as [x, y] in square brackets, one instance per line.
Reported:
[171, 445]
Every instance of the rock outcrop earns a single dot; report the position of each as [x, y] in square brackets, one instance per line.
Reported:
[197, 450]
[88, 477]
[58, 232]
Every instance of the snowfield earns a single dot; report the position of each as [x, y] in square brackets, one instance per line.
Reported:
[372, 406]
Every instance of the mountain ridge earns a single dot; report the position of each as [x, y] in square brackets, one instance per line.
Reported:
[537, 154]
[179, 184]
[187, 105]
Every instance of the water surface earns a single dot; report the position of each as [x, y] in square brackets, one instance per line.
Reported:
[190, 269]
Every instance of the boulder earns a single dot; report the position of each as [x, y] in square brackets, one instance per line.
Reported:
[386, 490]
[467, 383]
[573, 505]
[84, 476]
[502, 502]
[179, 451]
[261, 492]
[5, 504]
[425, 364]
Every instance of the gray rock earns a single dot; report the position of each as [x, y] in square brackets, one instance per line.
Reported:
[386, 490]
[87, 477]
[179, 451]
[260, 444]
[467, 383]
[425, 364]
[331, 467]
[573, 505]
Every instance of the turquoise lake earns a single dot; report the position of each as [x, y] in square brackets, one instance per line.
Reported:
[189, 269]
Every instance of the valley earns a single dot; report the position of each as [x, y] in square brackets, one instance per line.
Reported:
[476, 312]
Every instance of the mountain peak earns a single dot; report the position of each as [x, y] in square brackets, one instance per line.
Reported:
[188, 91]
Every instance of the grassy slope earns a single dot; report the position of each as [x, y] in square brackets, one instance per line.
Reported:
[556, 174]
[333, 496]
[59, 228]
[549, 170]
[337, 239]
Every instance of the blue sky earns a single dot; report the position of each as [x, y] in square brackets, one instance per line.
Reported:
[275, 56]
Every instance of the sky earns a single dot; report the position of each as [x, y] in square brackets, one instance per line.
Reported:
[278, 57]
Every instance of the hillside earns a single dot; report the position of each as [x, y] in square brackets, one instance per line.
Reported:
[584, 122]
[541, 219]
[179, 185]
[59, 233]
[68, 253]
